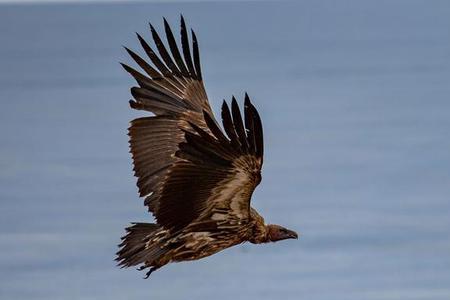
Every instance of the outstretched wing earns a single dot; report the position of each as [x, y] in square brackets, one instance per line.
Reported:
[173, 90]
[218, 172]
[185, 164]
[174, 85]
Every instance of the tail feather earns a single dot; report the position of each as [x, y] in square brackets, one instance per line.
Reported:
[134, 247]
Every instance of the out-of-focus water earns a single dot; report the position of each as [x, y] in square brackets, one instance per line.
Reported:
[355, 103]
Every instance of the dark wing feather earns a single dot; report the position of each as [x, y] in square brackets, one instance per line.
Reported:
[239, 125]
[154, 58]
[228, 125]
[257, 130]
[198, 70]
[174, 49]
[186, 50]
[164, 54]
[215, 130]
[143, 64]
[249, 124]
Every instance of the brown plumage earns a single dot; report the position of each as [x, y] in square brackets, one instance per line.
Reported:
[196, 178]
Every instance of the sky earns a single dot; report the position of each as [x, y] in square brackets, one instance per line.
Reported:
[354, 102]
[113, 1]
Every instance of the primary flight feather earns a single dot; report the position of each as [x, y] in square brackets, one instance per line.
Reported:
[197, 178]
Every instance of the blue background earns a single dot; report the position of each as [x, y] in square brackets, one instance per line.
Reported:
[354, 97]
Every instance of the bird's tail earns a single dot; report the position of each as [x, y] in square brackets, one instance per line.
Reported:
[140, 245]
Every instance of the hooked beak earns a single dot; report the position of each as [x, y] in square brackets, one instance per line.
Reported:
[279, 233]
[292, 234]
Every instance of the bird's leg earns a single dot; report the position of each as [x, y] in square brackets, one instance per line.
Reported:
[150, 272]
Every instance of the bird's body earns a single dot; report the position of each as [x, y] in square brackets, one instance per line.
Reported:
[201, 239]
[196, 178]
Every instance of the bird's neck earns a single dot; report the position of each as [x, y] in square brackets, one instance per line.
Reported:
[259, 232]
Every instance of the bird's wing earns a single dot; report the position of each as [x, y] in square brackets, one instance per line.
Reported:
[175, 152]
[173, 90]
[173, 84]
[218, 171]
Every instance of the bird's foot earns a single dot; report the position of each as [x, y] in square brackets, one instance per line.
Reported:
[142, 268]
[147, 275]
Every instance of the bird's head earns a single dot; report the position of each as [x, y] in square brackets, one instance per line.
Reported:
[278, 233]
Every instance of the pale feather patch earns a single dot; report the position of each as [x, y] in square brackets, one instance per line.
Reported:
[236, 191]
[148, 195]
[218, 217]
[197, 238]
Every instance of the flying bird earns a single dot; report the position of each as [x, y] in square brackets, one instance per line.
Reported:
[197, 177]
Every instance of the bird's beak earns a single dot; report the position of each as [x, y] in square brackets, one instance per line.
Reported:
[292, 234]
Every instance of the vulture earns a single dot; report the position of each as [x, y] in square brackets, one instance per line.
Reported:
[196, 177]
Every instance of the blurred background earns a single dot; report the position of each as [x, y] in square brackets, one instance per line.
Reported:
[354, 97]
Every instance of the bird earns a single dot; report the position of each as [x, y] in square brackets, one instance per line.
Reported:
[196, 177]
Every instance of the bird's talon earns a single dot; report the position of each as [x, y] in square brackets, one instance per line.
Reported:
[141, 268]
[149, 272]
